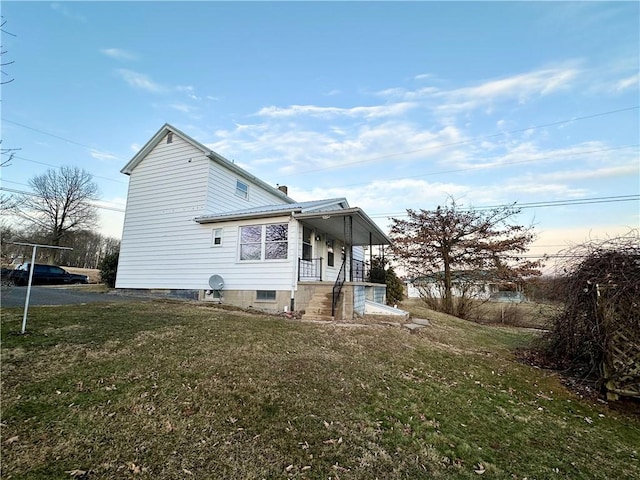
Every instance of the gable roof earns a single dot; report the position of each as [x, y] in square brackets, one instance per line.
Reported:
[166, 128]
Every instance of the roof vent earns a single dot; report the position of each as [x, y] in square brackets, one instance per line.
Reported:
[283, 189]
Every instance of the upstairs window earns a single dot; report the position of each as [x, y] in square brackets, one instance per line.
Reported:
[170, 137]
[242, 189]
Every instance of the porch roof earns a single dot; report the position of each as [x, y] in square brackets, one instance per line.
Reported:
[364, 230]
[323, 215]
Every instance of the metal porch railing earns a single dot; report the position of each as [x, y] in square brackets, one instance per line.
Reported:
[310, 270]
[337, 288]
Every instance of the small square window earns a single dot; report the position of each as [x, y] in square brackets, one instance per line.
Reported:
[216, 239]
[268, 295]
[242, 189]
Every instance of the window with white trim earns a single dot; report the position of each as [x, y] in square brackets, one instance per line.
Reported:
[264, 242]
[216, 237]
[242, 189]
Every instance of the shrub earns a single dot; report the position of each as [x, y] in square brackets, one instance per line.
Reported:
[598, 332]
[109, 268]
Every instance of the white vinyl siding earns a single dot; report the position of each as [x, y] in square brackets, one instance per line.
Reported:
[222, 197]
[166, 191]
[163, 247]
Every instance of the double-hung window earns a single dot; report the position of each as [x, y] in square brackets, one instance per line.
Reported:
[242, 189]
[216, 237]
[264, 242]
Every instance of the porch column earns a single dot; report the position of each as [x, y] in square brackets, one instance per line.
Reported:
[348, 248]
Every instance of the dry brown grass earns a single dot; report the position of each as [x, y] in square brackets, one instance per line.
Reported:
[173, 390]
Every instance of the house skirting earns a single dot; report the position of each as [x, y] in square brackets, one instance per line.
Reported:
[350, 304]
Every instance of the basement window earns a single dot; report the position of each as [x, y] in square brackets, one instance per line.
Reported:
[266, 295]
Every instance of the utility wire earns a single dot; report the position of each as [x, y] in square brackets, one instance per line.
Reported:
[373, 159]
[55, 136]
[462, 142]
[550, 203]
[495, 165]
[32, 194]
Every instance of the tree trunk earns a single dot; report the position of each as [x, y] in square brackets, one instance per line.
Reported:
[448, 296]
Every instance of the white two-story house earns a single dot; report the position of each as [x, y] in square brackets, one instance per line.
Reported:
[198, 226]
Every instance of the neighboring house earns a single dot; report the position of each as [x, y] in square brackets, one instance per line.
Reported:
[468, 284]
[192, 214]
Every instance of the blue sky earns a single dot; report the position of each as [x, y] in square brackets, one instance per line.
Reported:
[392, 105]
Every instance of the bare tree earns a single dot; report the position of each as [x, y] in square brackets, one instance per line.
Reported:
[454, 247]
[8, 153]
[2, 54]
[60, 202]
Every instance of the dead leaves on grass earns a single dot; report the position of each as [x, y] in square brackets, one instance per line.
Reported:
[11, 440]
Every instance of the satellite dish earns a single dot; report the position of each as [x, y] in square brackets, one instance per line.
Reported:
[216, 282]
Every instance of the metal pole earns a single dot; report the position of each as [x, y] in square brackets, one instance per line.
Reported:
[33, 266]
[26, 300]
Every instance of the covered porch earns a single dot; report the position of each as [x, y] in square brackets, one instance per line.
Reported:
[332, 270]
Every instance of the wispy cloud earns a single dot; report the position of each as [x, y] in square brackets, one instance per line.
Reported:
[104, 156]
[393, 109]
[119, 54]
[628, 83]
[521, 87]
[67, 12]
[140, 81]
[183, 107]
[189, 91]
[587, 174]
[299, 147]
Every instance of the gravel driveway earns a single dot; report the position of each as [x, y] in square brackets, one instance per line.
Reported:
[15, 296]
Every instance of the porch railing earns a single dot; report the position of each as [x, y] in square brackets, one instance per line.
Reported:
[337, 288]
[358, 270]
[310, 270]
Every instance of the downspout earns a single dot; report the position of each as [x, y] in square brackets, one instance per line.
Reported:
[349, 237]
[370, 254]
[294, 273]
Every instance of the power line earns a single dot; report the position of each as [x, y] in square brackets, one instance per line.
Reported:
[58, 166]
[549, 203]
[483, 167]
[73, 142]
[373, 159]
[32, 194]
[462, 142]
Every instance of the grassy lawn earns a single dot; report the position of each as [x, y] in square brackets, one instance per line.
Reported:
[177, 390]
